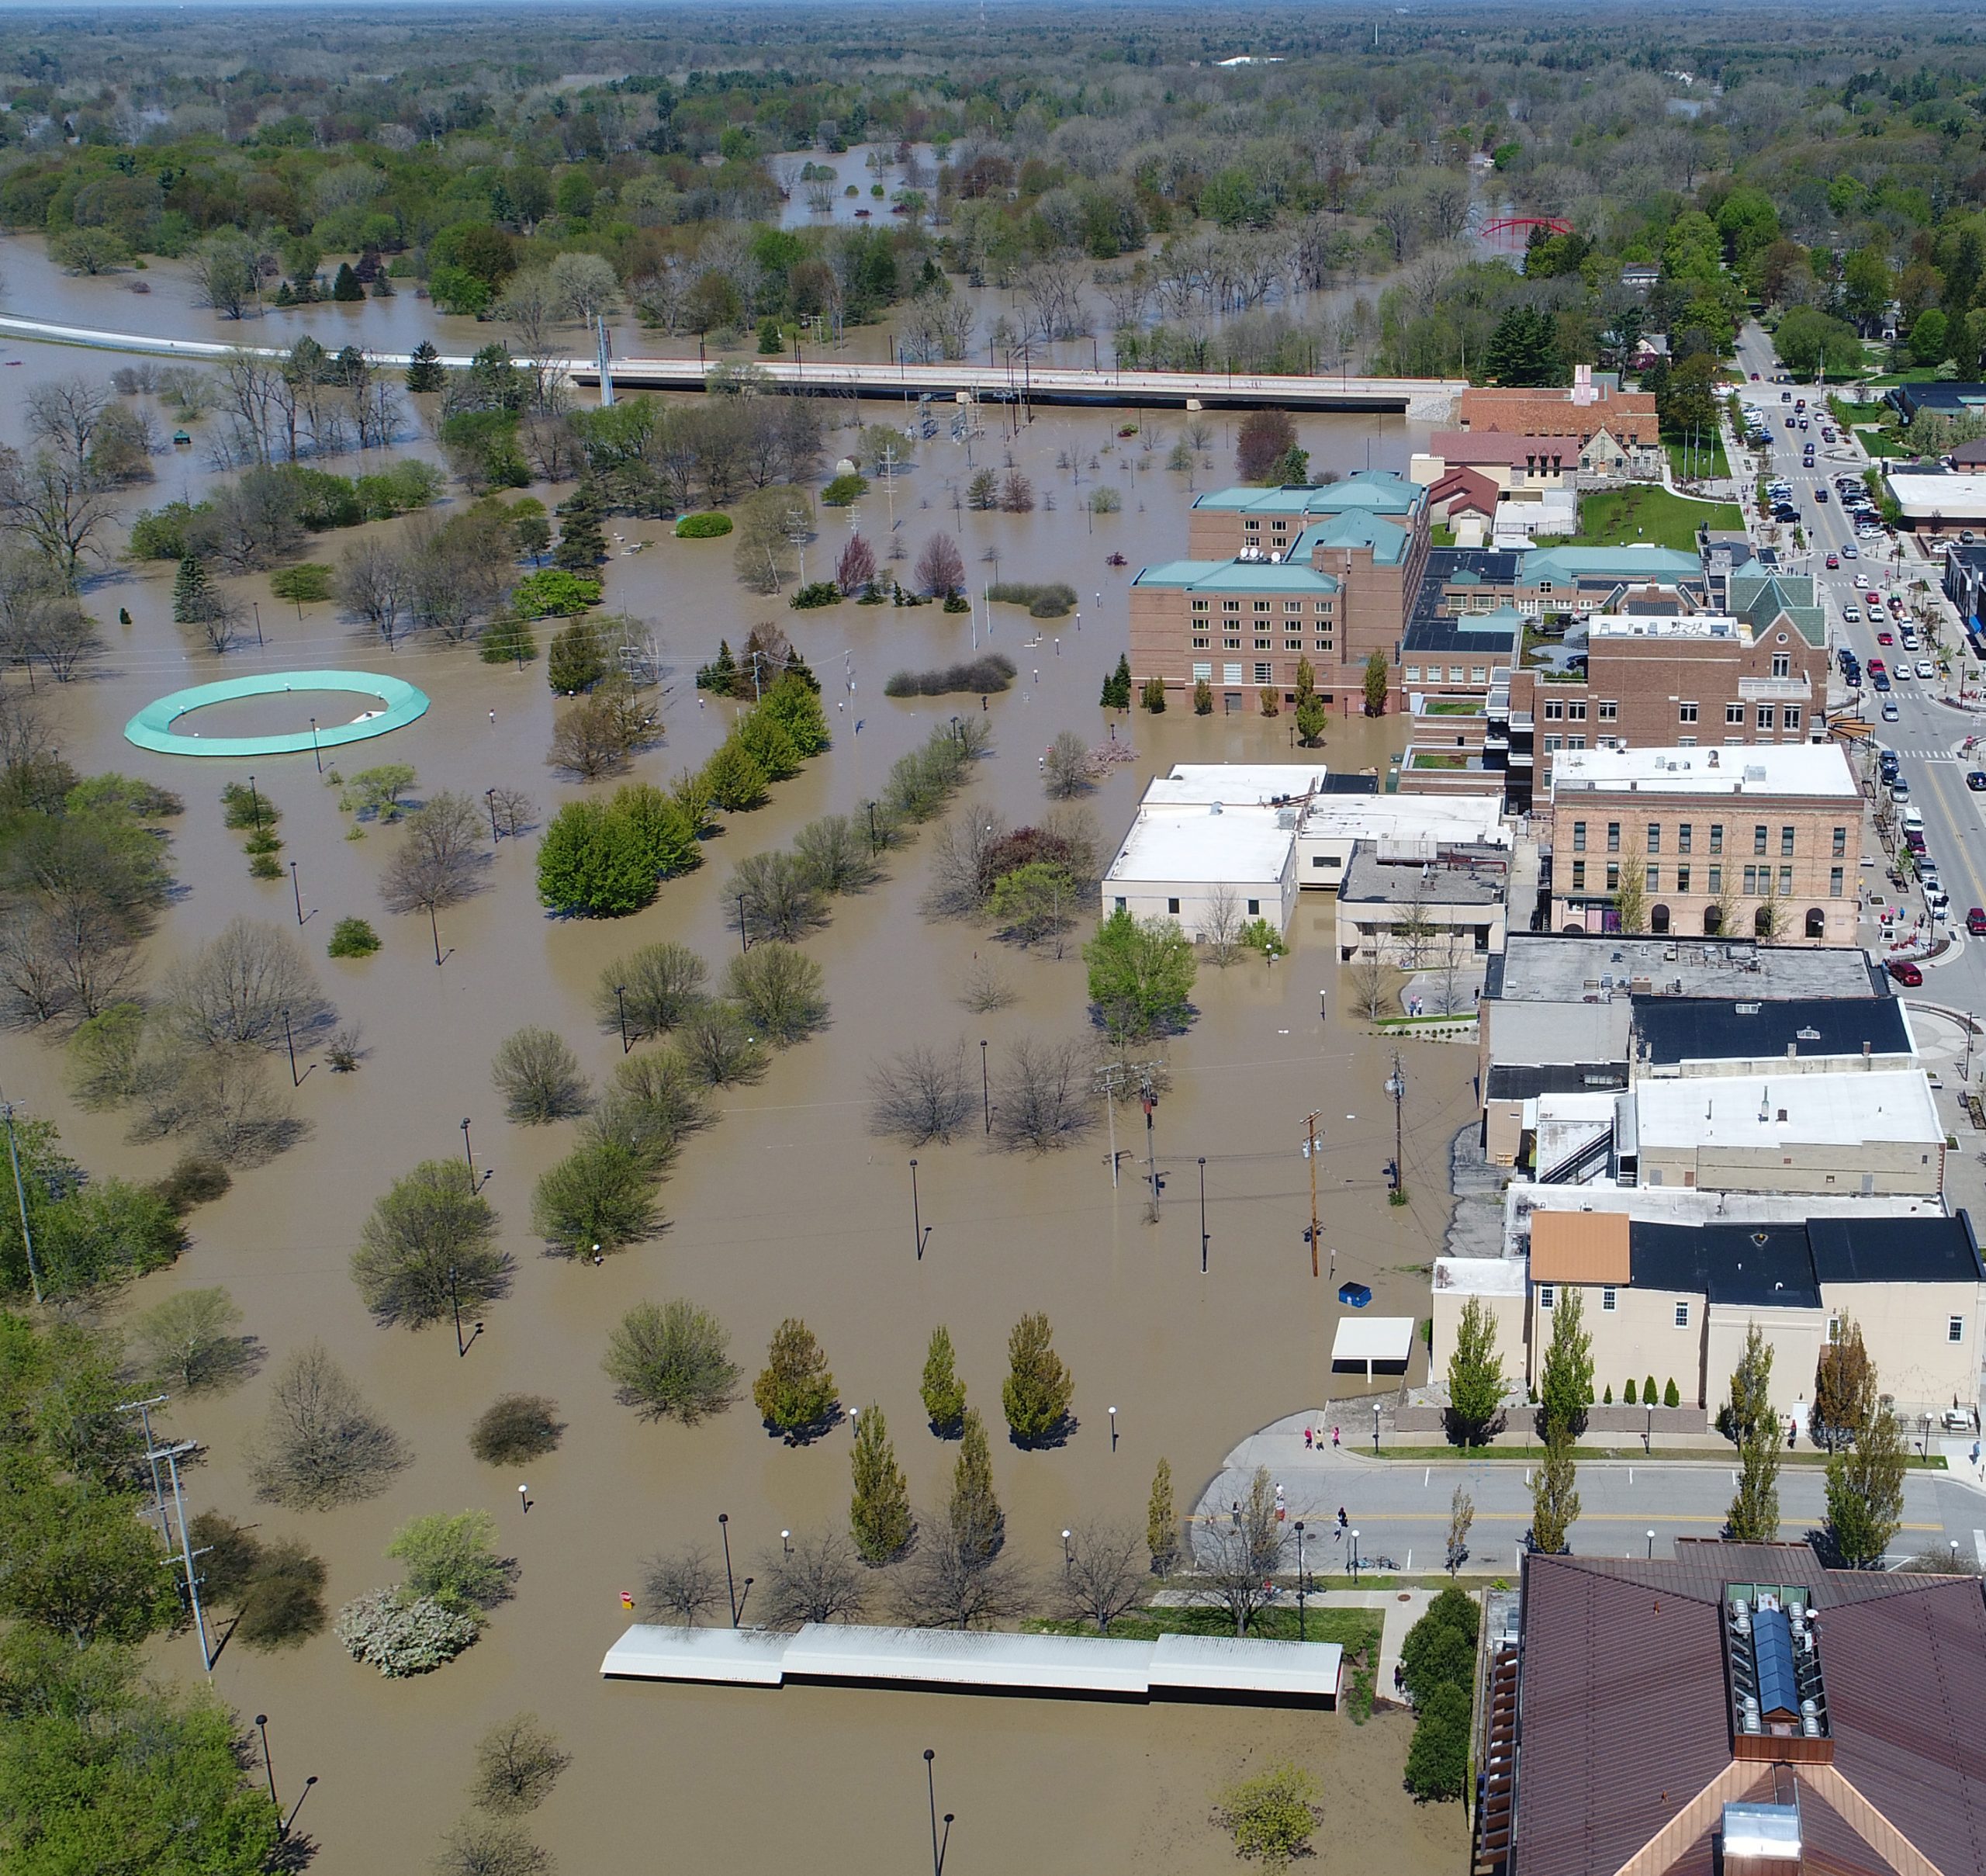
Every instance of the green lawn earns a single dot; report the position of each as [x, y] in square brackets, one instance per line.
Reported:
[1356, 1631]
[1705, 462]
[1881, 443]
[1454, 707]
[1643, 512]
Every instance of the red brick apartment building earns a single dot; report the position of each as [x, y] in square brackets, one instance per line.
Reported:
[1325, 573]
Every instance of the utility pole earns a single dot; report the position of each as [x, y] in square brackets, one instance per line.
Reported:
[144, 1409]
[1151, 1104]
[21, 1197]
[1310, 1153]
[1396, 1087]
[187, 1552]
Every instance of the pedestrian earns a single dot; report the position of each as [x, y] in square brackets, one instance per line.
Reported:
[1310, 1444]
[1399, 1677]
[492, 719]
[1333, 1439]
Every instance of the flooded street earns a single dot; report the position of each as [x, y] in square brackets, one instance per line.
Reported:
[788, 1206]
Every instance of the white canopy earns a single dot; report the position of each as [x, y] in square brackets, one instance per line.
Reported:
[1372, 1342]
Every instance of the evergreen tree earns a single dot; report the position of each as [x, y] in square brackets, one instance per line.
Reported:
[1751, 1422]
[192, 595]
[879, 1513]
[1476, 1374]
[425, 371]
[1844, 1384]
[1117, 686]
[1291, 469]
[978, 1525]
[944, 1393]
[795, 1393]
[582, 540]
[1524, 349]
[1038, 1388]
[1162, 1521]
[721, 674]
[1565, 1388]
[347, 286]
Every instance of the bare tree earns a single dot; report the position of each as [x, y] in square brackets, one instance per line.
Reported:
[440, 859]
[986, 989]
[681, 1589]
[484, 1846]
[1065, 768]
[920, 1094]
[1046, 1099]
[960, 875]
[238, 988]
[1222, 927]
[55, 508]
[1238, 1552]
[940, 566]
[513, 812]
[773, 895]
[818, 1578]
[944, 1584]
[319, 1445]
[373, 586]
[1369, 995]
[1105, 1573]
[516, 1764]
[62, 415]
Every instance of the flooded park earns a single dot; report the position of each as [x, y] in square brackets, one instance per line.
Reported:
[790, 1205]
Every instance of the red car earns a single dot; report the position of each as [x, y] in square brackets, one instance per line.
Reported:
[1834, 560]
[1975, 921]
[1905, 973]
[1883, 637]
[1877, 667]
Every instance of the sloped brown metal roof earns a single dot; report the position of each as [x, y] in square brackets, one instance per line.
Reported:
[1580, 1247]
[1622, 1719]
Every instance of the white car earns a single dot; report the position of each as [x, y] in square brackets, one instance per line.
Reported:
[1848, 553]
[1926, 668]
[1901, 674]
[1851, 615]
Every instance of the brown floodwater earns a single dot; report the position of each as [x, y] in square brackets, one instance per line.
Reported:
[789, 1206]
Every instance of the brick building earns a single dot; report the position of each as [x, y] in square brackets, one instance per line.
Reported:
[1325, 573]
[1662, 668]
[1764, 840]
[1618, 431]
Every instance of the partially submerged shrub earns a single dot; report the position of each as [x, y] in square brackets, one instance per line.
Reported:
[516, 1427]
[977, 677]
[400, 1638]
[704, 527]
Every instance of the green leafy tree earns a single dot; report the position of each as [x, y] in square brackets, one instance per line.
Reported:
[733, 779]
[1476, 1384]
[1162, 1520]
[794, 1392]
[1751, 1420]
[346, 286]
[1153, 695]
[672, 1360]
[581, 539]
[764, 738]
[76, 1560]
[1271, 1816]
[592, 863]
[1437, 1653]
[942, 1391]
[1844, 1386]
[1375, 683]
[1437, 1755]
[600, 1198]
[1311, 718]
[453, 1559]
[1865, 1488]
[429, 1245]
[577, 660]
[978, 1525]
[879, 1511]
[1631, 899]
[1565, 1389]
[193, 593]
[1554, 1498]
[1039, 1387]
[1140, 975]
[795, 706]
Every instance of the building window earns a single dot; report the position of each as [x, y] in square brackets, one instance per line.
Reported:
[1264, 672]
[1610, 713]
[1686, 713]
[1834, 1330]
[1230, 673]
[1172, 906]
[1576, 743]
[1201, 672]
[1716, 881]
[1479, 673]
[1785, 881]
[1782, 665]
[1292, 605]
[1579, 836]
[1579, 876]
[1682, 1315]
[1790, 716]
[1120, 905]
[1264, 605]
[1682, 879]
[1841, 843]
[1655, 837]
[1412, 674]
[1202, 605]
[1734, 714]
[1653, 882]
[1717, 837]
[1785, 842]
[1201, 642]
[1835, 882]
[1554, 713]
[1324, 608]
[1293, 644]
[1233, 644]
[1230, 605]
[1263, 644]
[1552, 744]
[1955, 1330]
[1613, 876]
[1547, 1296]
[1765, 716]
[1613, 836]
[1323, 645]
[1607, 1297]
[1254, 909]
[1684, 833]
[1576, 712]
[1752, 881]
[1759, 833]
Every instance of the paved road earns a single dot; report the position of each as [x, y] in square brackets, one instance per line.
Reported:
[1400, 1508]
[1430, 397]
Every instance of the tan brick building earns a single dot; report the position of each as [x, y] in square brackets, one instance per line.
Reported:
[1618, 431]
[1767, 841]
[1327, 574]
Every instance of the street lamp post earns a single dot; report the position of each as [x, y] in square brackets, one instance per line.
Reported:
[434, 927]
[289, 1041]
[289, 1822]
[938, 1846]
[1203, 1214]
[1651, 1546]
[297, 890]
[916, 1213]
[1068, 1551]
[786, 1542]
[456, 1301]
[985, 1086]
[1302, 1632]
[1113, 1429]
[315, 748]
[620, 1003]
[469, 1156]
[1376, 1427]
[489, 799]
[269, 1766]
[730, 1584]
[1355, 1556]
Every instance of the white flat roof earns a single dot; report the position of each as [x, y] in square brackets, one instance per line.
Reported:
[1818, 769]
[1235, 845]
[1477, 818]
[1834, 1110]
[1241, 783]
[1699, 1204]
[950, 1657]
[1957, 497]
[1373, 1338]
[1481, 1276]
[1667, 625]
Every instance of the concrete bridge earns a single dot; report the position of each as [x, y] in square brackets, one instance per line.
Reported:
[1429, 398]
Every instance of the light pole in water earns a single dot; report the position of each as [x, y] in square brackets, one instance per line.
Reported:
[938, 1846]
[730, 1585]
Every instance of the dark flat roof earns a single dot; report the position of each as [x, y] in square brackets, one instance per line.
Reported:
[1624, 1717]
[1523, 1082]
[1718, 1028]
[1762, 1266]
[1895, 1250]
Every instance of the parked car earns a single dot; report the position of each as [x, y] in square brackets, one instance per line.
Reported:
[1905, 973]
[1925, 669]
[1887, 764]
[1975, 780]
[1899, 786]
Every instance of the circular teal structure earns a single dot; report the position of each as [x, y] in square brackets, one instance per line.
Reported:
[400, 704]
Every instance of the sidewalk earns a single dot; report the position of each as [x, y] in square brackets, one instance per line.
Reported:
[1401, 1608]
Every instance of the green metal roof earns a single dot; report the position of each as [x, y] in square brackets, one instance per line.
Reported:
[1575, 563]
[1760, 598]
[1388, 540]
[1376, 491]
[1237, 576]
